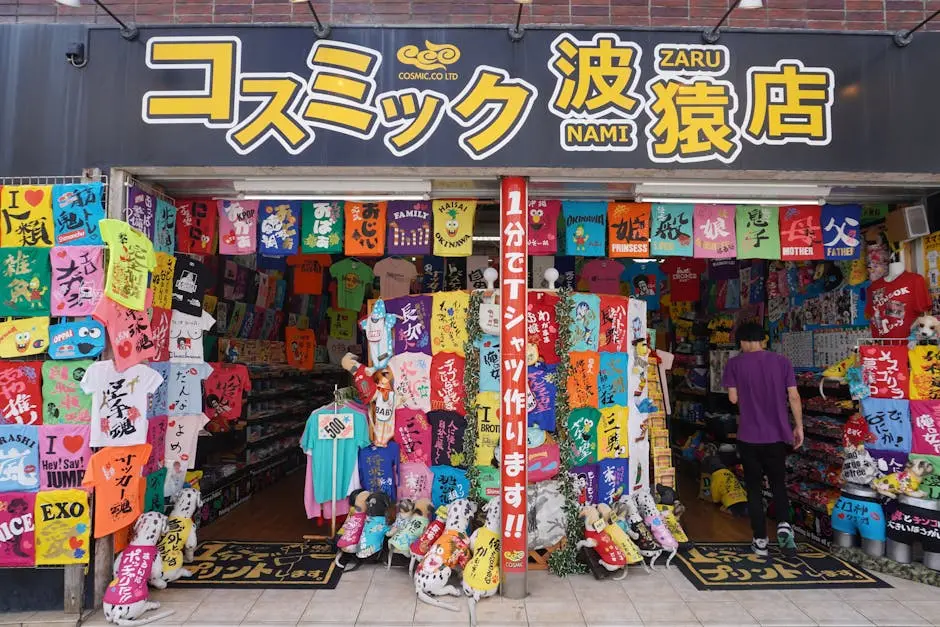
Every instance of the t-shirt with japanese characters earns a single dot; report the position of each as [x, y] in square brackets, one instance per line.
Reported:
[378, 469]
[893, 306]
[308, 272]
[238, 226]
[64, 452]
[415, 481]
[321, 226]
[413, 435]
[131, 259]
[352, 277]
[119, 402]
[115, 473]
[542, 325]
[447, 430]
[685, 277]
[21, 392]
[129, 332]
[342, 323]
[395, 277]
[185, 388]
[224, 390]
[602, 276]
[77, 279]
[182, 433]
[190, 280]
[63, 400]
[24, 283]
[186, 335]
[450, 484]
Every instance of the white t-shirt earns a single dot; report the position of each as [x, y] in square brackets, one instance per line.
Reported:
[186, 335]
[395, 276]
[182, 434]
[119, 402]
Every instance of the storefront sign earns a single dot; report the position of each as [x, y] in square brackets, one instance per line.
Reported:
[513, 445]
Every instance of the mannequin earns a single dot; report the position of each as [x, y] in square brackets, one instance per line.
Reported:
[873, 540]
[900, 543]
[895, 301]
[895, 269]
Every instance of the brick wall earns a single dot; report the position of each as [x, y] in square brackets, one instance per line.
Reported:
[860, 15]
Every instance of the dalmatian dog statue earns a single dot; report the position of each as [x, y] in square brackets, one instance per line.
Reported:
[652, 517]
[481, 576]
[413, 518]
[626, 516]
[449, 551]
[178, 544]
[127, 597]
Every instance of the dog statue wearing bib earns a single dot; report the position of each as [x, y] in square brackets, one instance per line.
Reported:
[413, 519]
[126, 598]
[448, 552]
[481, 576]
[178, 544]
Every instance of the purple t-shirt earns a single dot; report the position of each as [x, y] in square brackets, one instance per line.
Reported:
[762, 379]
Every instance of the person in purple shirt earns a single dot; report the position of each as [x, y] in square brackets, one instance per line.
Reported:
[761, 384]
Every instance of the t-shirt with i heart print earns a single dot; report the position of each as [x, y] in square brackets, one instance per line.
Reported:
[119, 402]
[308, 272]
[351, 280]
[603, 276]
[395, 277]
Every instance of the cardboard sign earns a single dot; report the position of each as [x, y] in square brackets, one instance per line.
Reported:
[335, 426]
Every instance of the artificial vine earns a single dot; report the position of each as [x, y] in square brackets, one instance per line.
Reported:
[471, 382]
[564, 561]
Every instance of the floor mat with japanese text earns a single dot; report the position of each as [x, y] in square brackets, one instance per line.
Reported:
[733, 566]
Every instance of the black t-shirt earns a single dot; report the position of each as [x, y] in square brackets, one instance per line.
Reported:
[447, 429]
[190, 281]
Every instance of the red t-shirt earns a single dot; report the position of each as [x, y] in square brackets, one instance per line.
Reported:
[602, 276]
[447, 387]
[223, 394]
[542, 325]
[684, 278]
[893, 306]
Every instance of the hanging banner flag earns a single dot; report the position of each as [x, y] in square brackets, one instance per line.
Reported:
[409, 228]
[758, 232]
[453, 227]
[321, 227]
[77, 279]
[585, 228]
[365, 228]
[884, 370]
[842, 237]
[24, 286]
[671, 231]
[140, 211]
[637, 394]
[800, 233]
[628, 229]
[238, 227]
[76, 211]
[714, 232]
[543, 226]
[17, 529]
[196, 226]
[26, 213]
[164, 237]
[925, 361]
[279, 234]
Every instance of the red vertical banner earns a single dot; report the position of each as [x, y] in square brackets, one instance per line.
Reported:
[513, 448]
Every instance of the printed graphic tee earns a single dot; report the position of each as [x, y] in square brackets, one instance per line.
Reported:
[447, 430]
[543, 226]
[447, 382]
[342, 323]
[196, 226]
[685, 277]
[184, 394]
[131, 259]
[409, 228]
[602, 276]
[24, 283]
[190, 281]
[415, 481]
[308, 272]
[64, 451]
[542, 325]
[77, 279]
[395, 277]
[378, 469]
[186, 335]
[63, 527]
[76, 212]
[128, 331]
[21, 392]
[224, 391]
[644, 281]
[19, 458]
[413, 435]
[893, 306]
[450, 484]
[352, 277]
[321, 227]
[63, 400]
[238, 226]
[18, 542]
[114, 473]
[449, 322]
[182, 433]
[119, 402]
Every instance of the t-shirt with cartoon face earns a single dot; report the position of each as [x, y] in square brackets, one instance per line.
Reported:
[185, 388]
[119, 402]
[190, 280]
[115, 474]
[447, 431]
[24, 282]
[182, 433]
[585, 322]
[131, 259]
[63, 401]
[352, 278]
[186, 335]
[64, 452]
[395, 277]
[19, 458]
[378, 469]
[602, 276]
[644, 281]
[129, 332]
[20, 392]
[582, 430]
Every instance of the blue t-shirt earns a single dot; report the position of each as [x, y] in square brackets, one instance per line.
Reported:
[450, 484]
[645, 281]
[585, 322]
[585, 228]
[889, 420]
[157, 402]
[378, 469]
[612, 480]
[762, 379]
[19, 458]
[321, 453]
[612, 380]
[544, 387]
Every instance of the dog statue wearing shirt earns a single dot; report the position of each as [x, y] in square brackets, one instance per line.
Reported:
[126, 598]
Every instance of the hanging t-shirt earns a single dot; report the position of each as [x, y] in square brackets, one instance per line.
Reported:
[161, 281]
[432, 277]
[800, 233]
[224, 390]
[412, 332]
[585, 322]
[543, 226]
[182, 434]
[351, 279]
[131, 259]
[612, 337]
[342, 323]
[196, 226]
[409, 228]
[449, 322]
[22, 337]
[602, 276]
[119, 402]
[671, 230]
[64, 451]
[186, 335]
[543, 385]
[542, 325]
[77, 279]
[63, 527]
[21, 392]
[413, 434]
[184, 392]
[27, 215]
[585, 484]
[585, 228]
[238, 227]
[415, 481]
[19, 458]
[18, 540]
[154, 497]
[114, 473]
[893, 306]
[157, 402]
[890, 422]
[447, 382]
[447, 429]
[395, 277]
[321, 227]
[378, 469]
[612, 438]
[758, 232]
[450, 484]
[925, 426]
[537, 268]
[25, 281]
[190, 280]
[612, 380]
[490, 364]
[160, 322]
[156, 438]
[280, 227]
[76, 212]
[321, 452]
[841, 232]
[140, 209]
[715, 231]
[628, 229]
[613, 480]
[308, 272]
[411, 373]
[164, 236]
[455, 274]
[684, 279]
[365, 228]
[644, 281]
[582, 431]
[476, 266]
[487, 427]
[63, 401]
[129, 332]
[453, 227]
[582, 379]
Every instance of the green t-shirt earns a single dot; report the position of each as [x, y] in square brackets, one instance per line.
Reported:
[24, 281]
[154, 498]
[352, 278]
[321, 227]
[64, 401]
[488, 484]
[342, 323]
[582, 429]
[321, 453]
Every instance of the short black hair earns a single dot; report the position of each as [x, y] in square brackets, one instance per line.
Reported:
[750, 332]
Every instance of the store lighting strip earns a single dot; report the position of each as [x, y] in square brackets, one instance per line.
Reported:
[775, 202]
[486, 238]
[353, 198]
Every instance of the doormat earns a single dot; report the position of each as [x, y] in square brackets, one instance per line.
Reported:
[733, 566]
[885, 565]
[231, 564]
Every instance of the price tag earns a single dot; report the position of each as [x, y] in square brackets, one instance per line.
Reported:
[335, 426]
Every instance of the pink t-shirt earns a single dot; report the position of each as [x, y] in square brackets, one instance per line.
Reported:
[602, 276]
[413, 435]
[415, 481]
[77, 279]
[18, 547]
[128, 330]
[64, 451]
[130, 581]
[238, 226]
[160, 324]
[324, 510]
[156, 438]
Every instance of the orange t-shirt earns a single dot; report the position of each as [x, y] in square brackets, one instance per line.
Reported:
[365, 229]
[115, 474]
[308, 272]
[582, 379]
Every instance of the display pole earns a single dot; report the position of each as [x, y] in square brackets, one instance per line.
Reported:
[512, 384]
[333, 510]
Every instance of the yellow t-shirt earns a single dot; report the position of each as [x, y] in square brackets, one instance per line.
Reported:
[482, 571]
[449, 322]
[726, 489]
[171, 545]
[131, 258]
[453, 227]
[487, 427]
[612, 434]
[624, 543]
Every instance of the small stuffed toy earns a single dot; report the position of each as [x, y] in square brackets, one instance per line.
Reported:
[362, 378]
[376, 525]
[178, 544]
[413, 519]
[378, 326]
[906, 482]
[924, 329]
[609, 555]
[433, 531]
[382, 408]
[626, 516]
[646, 506]
[451, 550]
[351, 531]
[725, 487]
[668, 503]
[126, 597]
[481, 576]
[620, 537]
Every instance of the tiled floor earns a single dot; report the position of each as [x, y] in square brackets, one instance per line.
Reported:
[372, 596]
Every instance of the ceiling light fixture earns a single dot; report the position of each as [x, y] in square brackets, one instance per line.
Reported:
[712, 35]
[347, 198]
[321, 30]
[773, 202]
[128, 32]
[334, 187]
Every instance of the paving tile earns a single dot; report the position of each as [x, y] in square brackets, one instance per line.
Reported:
[664, 612]
[425, 613]
[888, 613]
[279, 606]
[610, 613]
[758, 596]
[390, 610]
[14, 618]
[928, 610]
[721, 613]
[539, 611]
[225, 606]
[779, 611]
[832, 613]
[331, 609]
[52, 617]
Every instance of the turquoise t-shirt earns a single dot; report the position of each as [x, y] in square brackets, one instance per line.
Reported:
[449, 485]
[321, 452]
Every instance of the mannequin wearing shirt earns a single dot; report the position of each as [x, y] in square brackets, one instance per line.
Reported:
[895, 301]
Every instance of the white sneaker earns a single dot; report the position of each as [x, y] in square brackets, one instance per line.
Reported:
[759, 546]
